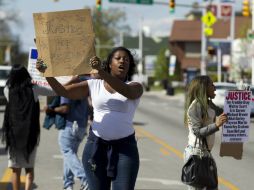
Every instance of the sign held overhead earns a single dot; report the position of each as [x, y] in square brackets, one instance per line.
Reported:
[65, 41]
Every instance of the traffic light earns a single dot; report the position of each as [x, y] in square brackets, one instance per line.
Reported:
[246, 8]
[171, 6]
[98, 5]
[211, 51]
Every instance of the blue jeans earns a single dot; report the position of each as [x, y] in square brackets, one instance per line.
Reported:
[69, 141]
[126, 172]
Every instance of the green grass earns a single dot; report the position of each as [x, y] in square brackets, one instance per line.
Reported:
[177, 90]
[156, 88]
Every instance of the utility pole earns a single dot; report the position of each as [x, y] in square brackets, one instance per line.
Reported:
[140, 44]
[219, 63]
[203, 47]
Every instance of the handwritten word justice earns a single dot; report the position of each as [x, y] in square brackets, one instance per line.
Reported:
[239, 95]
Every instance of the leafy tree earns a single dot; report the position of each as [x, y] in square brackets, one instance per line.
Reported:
[107, 26]
[161, 66]
[161, 69]
[6, 17]
[6, 36]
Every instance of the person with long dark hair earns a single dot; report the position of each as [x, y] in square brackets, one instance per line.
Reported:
[21, 126]
[110, 157]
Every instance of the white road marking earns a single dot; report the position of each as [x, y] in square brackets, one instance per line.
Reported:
[144, 159]
[162, 181]
[58, 156]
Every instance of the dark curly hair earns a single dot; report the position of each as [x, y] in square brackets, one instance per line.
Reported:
[132, 65]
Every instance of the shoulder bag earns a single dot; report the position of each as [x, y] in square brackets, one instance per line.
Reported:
[200, 170]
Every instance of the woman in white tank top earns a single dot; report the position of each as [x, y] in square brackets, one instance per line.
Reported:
[110, 157]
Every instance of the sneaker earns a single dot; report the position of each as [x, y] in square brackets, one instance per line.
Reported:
[69, 188]
[84, 186]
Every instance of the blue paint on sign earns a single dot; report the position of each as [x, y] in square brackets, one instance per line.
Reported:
[34, 54]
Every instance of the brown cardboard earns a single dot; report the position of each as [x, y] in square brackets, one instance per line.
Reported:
[231, 149]
[65, 41]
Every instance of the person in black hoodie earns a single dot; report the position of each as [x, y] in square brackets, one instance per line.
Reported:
[21, 126]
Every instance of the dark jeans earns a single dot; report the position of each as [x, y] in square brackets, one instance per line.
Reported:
[126, 168]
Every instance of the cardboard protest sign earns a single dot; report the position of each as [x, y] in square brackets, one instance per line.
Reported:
[232, 149]
[35, 74]
[237, 106]
[65, 41]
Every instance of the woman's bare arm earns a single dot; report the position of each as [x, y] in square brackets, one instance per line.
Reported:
[72, 91]
[133, 90]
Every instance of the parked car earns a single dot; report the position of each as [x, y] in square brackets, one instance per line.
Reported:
[221, 88]
[4, 73]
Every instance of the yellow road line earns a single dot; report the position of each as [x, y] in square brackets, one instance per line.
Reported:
[6, 179]
[159, 141]
[227, 184]
[23, 179]
[164, 151]
[7, 175]
[179, 154]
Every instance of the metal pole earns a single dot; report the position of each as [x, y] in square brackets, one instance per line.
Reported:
[232, 32]
[219, 63]
[252, 58]
[203, 48]
[121, 43]
[7, 57]
[141, 71]
[97, 46]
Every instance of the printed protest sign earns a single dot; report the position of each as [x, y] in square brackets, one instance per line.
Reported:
[36, 75]
[65, 41]
[237, 106]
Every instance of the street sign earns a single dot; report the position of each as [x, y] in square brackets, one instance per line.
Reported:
[213, 8]
[146, 2]
[226, 10]
[209, 19]
[172, 65]
[208, 31]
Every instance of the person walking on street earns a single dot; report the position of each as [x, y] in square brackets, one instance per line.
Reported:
[200, 117]
[75, 113]
[21, 126]
[110, 157]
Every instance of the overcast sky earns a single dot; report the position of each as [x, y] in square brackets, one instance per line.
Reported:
[155, 17]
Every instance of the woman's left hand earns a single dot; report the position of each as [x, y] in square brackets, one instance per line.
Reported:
[95, 62]
[221, 119]
[41, 66]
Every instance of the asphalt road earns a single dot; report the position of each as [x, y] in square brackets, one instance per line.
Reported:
[161, 139]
